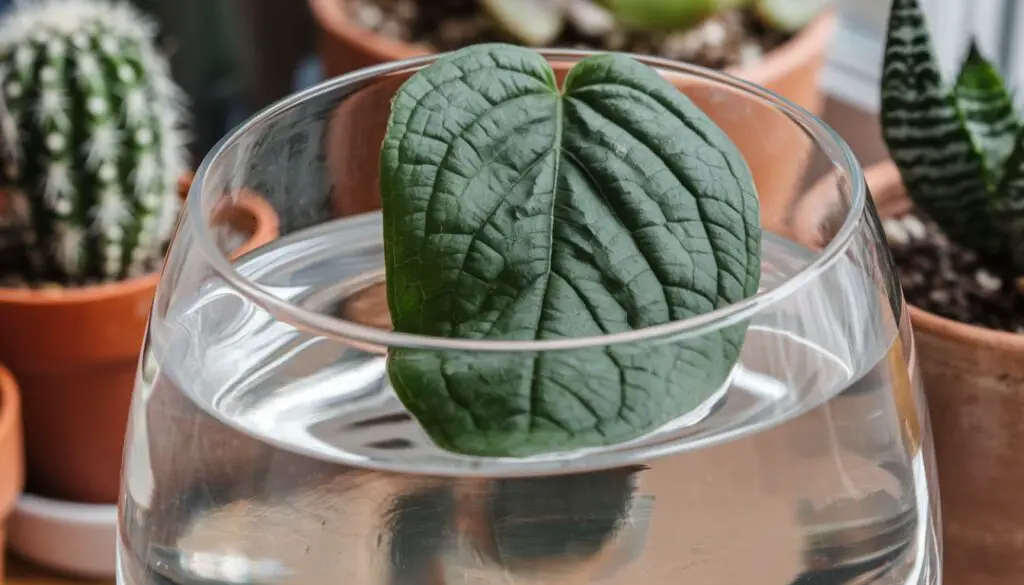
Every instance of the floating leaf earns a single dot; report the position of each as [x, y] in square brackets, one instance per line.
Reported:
[987, 110]
[516, 211]
[928, 141]
[536, 23]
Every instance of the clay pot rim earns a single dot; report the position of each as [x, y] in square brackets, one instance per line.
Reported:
[259, 209]
[774, 64]
[884, 180]
[10, 421]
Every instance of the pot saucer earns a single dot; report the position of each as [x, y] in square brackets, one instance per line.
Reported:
[68, 537]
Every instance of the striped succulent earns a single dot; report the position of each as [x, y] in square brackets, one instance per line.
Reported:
[959, 147]
[91, 147]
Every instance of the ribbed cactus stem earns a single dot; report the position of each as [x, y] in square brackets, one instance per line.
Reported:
[91, 123]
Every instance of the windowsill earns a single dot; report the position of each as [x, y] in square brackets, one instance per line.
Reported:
[853, 72]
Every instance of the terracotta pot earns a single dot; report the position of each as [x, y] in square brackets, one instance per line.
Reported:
[75, 353]
[790, 70]
[776, 149]
[12, 470]
[974, 385]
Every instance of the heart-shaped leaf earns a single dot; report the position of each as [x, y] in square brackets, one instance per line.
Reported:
[516, 211]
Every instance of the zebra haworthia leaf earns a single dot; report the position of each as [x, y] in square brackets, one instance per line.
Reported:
[515, 210]
[941, 168]
[1008, 205]
[987, 111]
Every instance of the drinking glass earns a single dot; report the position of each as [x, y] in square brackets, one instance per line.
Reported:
[266, 445]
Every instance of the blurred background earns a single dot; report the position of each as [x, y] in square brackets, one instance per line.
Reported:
[234, 57]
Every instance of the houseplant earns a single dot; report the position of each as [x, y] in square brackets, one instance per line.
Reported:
[789, 69]
[11, 464]
[764, 40]
[93, 163]
[950, 200]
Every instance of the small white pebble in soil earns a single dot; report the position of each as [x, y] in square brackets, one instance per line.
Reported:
[714, 33]
[591, 19]
[750, 53]
[405, 11]
[895, 232]
[616, 40]
[391, 28]
[915, 228]
[987, 281]
[370, 15]
[681, 45]
[939, 296]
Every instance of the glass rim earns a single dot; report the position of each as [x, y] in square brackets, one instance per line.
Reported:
[349, 331]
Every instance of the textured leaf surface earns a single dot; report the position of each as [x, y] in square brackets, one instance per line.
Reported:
[926, 137]
[515, 211]
[987, 111]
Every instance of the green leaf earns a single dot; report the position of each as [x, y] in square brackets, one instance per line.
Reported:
[661, 14]
[1008, 207]
[927, 138]
[988, 113]
[515, 211]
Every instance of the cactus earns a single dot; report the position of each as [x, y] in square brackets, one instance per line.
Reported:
[959, 147]
[91, 142]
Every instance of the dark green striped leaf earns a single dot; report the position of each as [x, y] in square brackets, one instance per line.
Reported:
[987, 110]
[941, 168]
[1008, 206]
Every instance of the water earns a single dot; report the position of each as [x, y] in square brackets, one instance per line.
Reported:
[261, 454]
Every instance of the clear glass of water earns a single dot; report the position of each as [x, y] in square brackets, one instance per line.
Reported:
[267, 447]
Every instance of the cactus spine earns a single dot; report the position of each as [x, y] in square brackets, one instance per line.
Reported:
[92, 148]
